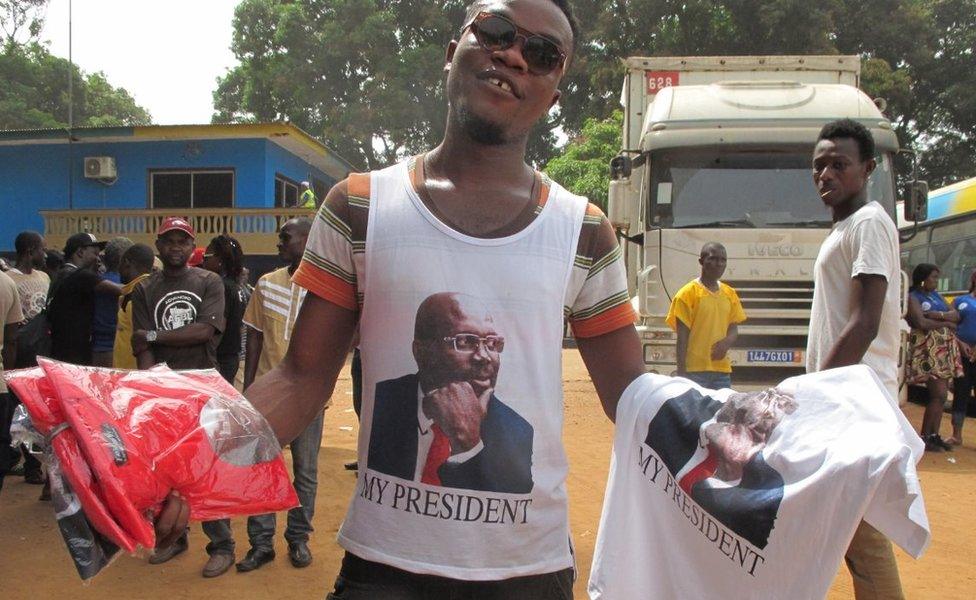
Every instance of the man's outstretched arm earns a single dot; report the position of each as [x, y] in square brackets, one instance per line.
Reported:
[614, 360]
[293, 393]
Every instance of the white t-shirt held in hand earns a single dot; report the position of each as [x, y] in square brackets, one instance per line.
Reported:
[719, 494]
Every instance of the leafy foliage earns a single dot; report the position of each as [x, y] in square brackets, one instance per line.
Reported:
[917, 54]
[35, 93]
[21, 20]
[584, 165]
[366, 75]
[34, 89]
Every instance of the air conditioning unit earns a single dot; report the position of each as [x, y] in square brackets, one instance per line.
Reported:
[100, 167]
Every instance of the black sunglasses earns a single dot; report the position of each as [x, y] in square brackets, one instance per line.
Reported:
[496, 33]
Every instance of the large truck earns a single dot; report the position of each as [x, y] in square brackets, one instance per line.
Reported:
[720, 149]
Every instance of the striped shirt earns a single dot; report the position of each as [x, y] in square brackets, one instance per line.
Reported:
[597, 299]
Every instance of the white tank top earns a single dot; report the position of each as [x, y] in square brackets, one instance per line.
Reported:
[498, 510]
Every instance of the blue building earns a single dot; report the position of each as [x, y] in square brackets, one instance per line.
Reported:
[241, 179]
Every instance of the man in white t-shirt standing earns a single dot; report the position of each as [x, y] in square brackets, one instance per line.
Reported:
[856, 306]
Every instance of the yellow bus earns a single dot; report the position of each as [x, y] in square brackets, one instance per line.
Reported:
[947, 239]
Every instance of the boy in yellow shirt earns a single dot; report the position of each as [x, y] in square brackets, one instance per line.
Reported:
[136, 265]
[705, 313]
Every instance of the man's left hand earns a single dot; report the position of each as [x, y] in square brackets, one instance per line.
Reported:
[458, 411]
[139, 343]
[720, 349]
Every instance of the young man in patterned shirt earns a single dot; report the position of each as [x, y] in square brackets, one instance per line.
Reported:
[503, 254]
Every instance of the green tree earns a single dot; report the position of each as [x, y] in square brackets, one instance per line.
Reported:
[917, 54]
[584, 165]
[366, 76]
[21, 20]
[35, 93]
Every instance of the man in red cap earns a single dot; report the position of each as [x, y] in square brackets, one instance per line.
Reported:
[177, 319]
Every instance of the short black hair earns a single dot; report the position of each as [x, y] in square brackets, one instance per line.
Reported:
[709, 246]
[922, 272]
[139, 256]
[230, 253]
[26, 241]
[475, 7]
[114, 249]
[53, 260]
[849, 128]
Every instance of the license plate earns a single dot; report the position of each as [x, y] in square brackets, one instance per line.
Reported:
[774, 356]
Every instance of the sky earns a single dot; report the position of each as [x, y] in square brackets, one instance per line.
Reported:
[167, 54]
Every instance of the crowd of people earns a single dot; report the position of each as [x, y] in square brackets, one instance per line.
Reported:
[470, 253]
[116, 304]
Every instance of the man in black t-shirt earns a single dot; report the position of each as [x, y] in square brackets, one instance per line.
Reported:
[71, 305]
[177, 319]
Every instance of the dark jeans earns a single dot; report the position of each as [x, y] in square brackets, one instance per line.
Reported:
[305, 463]
[712, 380]
[962, 392]
[221, 541]
[221, 538]
[8, 456]
[361, 579]
[356, 372]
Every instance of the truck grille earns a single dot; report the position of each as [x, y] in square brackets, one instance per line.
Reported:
[777, 317]
[776, 303]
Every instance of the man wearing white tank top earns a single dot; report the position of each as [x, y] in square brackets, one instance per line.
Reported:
[447, 262]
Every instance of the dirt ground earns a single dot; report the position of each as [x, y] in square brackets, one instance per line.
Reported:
[34, 563]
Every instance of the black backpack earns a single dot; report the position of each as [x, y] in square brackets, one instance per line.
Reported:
[33, 340]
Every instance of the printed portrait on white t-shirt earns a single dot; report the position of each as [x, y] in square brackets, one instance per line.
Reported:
[713, 451]
[443, 425]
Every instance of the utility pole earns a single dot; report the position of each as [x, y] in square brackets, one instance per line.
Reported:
[71, 117]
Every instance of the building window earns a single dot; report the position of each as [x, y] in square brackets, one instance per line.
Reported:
[191, 189]
[286, 192]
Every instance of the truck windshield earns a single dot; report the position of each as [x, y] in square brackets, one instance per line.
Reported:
[746, 189]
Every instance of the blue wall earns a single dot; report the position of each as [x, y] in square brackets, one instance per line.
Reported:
[35, 176]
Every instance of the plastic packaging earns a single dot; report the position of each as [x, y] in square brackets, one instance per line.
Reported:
[124, 439]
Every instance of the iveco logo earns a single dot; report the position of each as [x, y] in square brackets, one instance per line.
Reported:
[774, 250]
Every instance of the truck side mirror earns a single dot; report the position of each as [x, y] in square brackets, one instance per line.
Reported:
[621, 167]
[917, 203]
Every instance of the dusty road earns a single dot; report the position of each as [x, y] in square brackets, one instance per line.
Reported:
[34, 564]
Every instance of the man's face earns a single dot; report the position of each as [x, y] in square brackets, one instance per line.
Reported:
[88, 257]
[175, 248]
[440, 363]
[486, 111]
[291, 243]
[838, 171]
[37, 254]
[766, 410]
[125, 271]
[713, 262]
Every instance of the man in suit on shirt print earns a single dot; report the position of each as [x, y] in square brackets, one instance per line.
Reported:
[721, 465]
[443, 425]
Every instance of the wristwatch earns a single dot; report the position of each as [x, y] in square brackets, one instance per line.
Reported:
[151, 335]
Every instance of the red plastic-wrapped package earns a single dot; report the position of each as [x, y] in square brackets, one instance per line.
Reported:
[35, 392]
[143, 433]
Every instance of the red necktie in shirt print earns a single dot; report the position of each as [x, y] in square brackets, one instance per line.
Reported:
[703, 470]
[440, 450]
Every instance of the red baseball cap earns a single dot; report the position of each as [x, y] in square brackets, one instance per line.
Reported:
[196, 259]
[177, 224]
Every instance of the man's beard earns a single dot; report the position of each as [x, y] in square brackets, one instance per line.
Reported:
[480, 130]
